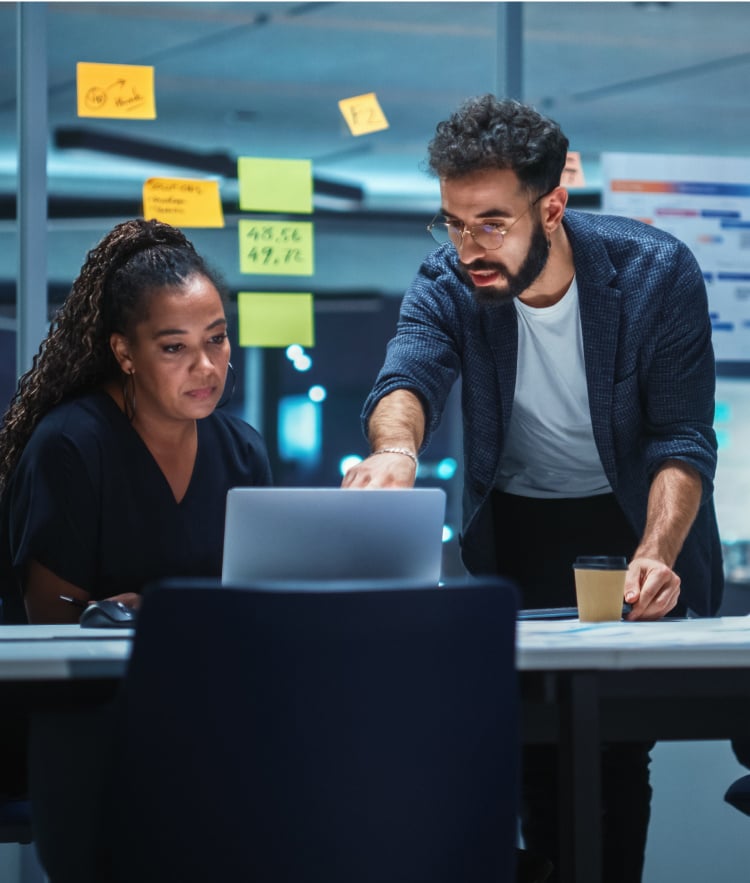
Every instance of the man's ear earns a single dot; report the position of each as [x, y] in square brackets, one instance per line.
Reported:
[553, 209]
[121, 351]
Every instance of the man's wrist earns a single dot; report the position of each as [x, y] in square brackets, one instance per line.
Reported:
[406, 452]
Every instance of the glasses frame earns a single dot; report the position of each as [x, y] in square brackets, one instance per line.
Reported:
[439, 221]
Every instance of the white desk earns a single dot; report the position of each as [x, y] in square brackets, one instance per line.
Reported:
[583, 685]
[62, 653]
[692, 643]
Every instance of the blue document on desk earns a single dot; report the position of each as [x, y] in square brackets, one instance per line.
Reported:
[548, 613]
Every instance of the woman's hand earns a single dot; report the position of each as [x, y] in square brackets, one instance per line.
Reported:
[129, 599]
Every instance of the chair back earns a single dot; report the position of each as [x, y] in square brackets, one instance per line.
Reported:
[335, 736]
[15, 820]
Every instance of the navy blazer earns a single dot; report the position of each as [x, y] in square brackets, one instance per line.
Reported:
[649, 368]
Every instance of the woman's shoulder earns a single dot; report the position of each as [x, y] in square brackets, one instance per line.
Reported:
[80, 420]
[70, 447]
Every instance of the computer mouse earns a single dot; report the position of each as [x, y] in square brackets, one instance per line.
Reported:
[108, 614]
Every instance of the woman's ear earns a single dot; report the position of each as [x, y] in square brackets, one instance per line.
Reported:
[121, 351]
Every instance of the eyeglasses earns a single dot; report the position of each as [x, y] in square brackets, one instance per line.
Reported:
[489, 236]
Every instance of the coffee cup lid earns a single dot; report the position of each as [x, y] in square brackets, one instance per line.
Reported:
[601, 562]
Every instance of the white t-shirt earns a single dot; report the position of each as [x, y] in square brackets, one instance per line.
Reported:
[550, 449]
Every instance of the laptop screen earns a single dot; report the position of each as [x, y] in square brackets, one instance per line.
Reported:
[332, 534]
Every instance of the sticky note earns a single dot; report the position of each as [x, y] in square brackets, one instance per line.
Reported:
[125, 91]
[572, 175]
[275, 318]
[275, 185]
[183, 202]
[276, 248]
[363, 114]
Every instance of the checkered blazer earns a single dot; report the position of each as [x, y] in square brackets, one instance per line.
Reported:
[649, 368]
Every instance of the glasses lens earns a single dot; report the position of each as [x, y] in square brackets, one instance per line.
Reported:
[488, 236]
[440, 230]
[443, 230]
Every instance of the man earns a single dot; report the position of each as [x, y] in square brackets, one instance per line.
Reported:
[584, 346]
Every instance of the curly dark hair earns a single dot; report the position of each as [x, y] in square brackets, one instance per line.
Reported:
[492, 133]
[111, 294]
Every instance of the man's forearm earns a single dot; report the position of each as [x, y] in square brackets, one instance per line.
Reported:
[397, 422]
[673, 503]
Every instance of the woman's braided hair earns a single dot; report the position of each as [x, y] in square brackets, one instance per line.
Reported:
[111, 294]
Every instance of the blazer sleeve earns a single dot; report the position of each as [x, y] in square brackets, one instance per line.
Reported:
[423, 356]
[681, 377]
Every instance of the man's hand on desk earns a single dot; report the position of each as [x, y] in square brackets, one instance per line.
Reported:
[651, 588]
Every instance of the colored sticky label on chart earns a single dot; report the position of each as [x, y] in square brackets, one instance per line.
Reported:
[275, 185]
[275, 318]
[183, 202]
[122, 91]
[363, 114]
[276, 248]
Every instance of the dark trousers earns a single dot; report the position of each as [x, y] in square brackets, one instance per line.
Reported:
[537, 542]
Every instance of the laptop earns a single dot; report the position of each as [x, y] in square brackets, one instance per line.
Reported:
[314, 535]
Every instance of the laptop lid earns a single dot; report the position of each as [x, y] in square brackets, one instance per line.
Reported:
[324, 534]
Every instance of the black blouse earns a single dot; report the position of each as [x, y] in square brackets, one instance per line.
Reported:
[88, 501]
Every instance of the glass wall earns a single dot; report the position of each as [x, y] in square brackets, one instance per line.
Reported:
[265, 80]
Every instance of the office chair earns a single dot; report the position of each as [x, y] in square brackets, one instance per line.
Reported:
[15, 821]
[331, 736]
[15, 807]
[738, 793]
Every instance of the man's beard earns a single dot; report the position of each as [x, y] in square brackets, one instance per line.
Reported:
[516, 283]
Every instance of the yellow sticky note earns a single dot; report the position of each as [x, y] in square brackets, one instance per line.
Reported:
[125, 91]
[363, 114]
[183, 202]
[572, 175]
[275, 185]
[276, 248]
[275, 318]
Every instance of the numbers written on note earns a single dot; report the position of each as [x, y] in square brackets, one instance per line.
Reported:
[281, 248]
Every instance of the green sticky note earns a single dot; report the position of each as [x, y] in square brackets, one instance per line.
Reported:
[275, 185]
[275, 318]
[276, 248]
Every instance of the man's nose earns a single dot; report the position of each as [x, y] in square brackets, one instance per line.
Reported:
[468, 245]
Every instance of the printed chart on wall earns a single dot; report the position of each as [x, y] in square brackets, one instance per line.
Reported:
[705, 202]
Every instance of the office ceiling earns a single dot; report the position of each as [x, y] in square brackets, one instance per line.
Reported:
[264, 79]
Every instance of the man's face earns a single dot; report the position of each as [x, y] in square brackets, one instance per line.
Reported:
[495, 196]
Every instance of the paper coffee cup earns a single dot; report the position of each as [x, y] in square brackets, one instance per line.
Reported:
[600, 587]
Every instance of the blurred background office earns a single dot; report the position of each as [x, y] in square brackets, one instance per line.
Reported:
[264, 80]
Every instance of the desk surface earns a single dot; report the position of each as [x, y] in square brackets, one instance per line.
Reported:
[689, 643]
[61, 652]
[608, 681]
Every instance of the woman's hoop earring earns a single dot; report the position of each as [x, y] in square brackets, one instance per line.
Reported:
[128, 395]
[226, 398]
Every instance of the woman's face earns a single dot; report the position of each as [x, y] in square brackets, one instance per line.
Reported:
[178, 354]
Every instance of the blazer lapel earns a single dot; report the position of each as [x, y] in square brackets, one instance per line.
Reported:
[500, 328]
[600, 320]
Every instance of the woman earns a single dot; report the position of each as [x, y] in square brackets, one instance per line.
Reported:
[114, 463]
